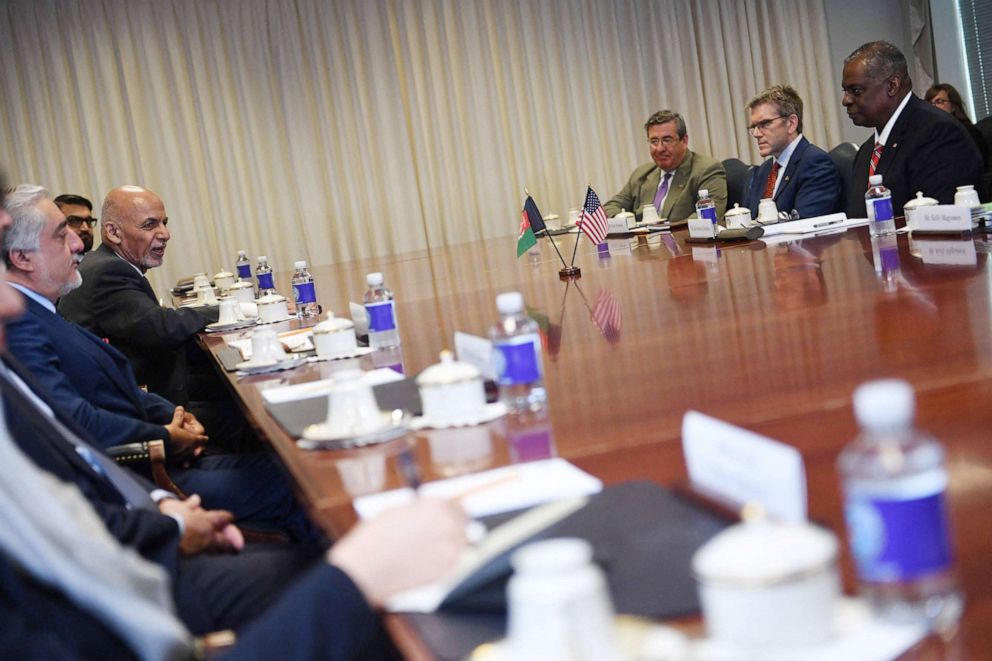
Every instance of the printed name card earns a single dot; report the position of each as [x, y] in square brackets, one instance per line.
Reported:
[617, 224]
[942, 218]
[476, 351]
[741, 466]
[701, 228]
[959, 253]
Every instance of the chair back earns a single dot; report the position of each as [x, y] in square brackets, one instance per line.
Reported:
[738, 177]
[843, 157]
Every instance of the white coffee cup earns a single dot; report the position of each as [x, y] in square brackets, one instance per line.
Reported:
[767, 211]
[738, 217]
[452, 392]
[352, 409]
[573, 216]
[223, 279]
[206, 296]
[649, 214]
[242, 291]
[628, 218]
[229, 312]
[200, 280]
[272, 307]
[966, 196]
[265, 346]
[558, 600]
[334, 336]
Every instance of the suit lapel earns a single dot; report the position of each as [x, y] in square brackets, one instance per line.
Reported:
[679, 182]
[790, 169]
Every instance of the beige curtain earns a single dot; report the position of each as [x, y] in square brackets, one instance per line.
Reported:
[335, 130]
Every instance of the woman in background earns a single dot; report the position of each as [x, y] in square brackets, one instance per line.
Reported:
[946, 97]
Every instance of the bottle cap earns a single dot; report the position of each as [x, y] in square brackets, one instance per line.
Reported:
[884, 404]
[704, 192]
[263, 258]
[875, 180]
[242, 253]
[510, 302]
[374, 279]
[302, 264]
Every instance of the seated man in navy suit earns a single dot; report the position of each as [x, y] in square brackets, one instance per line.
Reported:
[94, 382]
[799, 176]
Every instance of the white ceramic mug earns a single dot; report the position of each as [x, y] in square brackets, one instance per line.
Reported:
[206, 296]
[352, 409]
[767, 211]
[738, 217]
[265, 346]
[334, 336]
[649, 214]
[573, 216]
[229, 312]
[223, 279]
[200, 280]
[966, 196]
[272, 308]
[242, 291]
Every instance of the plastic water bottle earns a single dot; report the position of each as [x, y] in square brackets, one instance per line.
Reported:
[878, 201]
[263, 272]
[304, 292]
[243, 266]
[383, 329]
[517, 355]
[706, 208]
[894, 501]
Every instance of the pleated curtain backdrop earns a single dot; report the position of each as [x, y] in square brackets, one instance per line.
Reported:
[335, 130]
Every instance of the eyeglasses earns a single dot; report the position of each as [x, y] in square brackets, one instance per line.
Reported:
[762, 126]
[78, 221]
[667, 141]
[939, 102]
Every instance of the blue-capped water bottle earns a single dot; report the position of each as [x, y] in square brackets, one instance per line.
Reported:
[243, 266]
[304, 292]
[263, 272]
[878, 203]
[706, 208]
[381, 309]
[517, 355]
[894, 502]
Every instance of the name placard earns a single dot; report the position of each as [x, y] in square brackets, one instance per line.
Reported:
[617, 224]
[476, 351]
[942, 218]
[701, 228]
[741, 466]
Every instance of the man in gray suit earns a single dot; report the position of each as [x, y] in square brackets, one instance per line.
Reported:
[671, 182]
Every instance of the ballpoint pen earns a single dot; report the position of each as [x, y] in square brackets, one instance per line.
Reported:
[827, 224]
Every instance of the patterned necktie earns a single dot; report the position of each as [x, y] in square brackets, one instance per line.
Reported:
[875, 155]
[659, 197]
[770, 183]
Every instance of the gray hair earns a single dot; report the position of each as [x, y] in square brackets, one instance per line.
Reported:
[665, 116]
[27, 220]
[882, 61]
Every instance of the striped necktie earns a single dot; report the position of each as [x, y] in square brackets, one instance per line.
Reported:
[659, 197]
[876, 154]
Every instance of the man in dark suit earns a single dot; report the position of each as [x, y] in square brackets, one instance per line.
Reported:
[68, 589]
[79, 214]
[915, 147]
[675, 176]
[117, 303]
[799, 175]
[94, 383]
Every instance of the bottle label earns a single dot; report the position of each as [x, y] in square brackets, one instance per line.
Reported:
[304, 292]
[265, 281]
[244, 271]
[899, 535]
[518, 360]
[882, 209]
[381, 317]
[708, 213]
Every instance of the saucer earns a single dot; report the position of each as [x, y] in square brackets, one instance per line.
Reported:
[276, 321]
[263, 367]
[351, 353]
[393, 424]
[488, 413]
[218, 327]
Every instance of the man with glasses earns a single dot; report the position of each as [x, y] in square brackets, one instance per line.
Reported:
[671, 182]
[799, 176]
[78, 212]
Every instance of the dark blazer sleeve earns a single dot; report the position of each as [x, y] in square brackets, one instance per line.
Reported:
[328, 616]
[126, 310]
[817, 182]
[28, 341]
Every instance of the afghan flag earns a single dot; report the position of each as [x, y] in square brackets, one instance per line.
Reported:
[526, 239]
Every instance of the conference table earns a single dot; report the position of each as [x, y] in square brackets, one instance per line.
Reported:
[772, 336]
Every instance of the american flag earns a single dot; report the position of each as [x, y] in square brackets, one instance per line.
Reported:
[608, 315]
[593, 218]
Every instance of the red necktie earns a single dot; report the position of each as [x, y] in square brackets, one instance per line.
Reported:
[875, 155]
[772, 178]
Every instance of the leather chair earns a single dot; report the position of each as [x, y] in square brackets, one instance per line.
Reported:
[843, 157]
[150, 454]
[738, 177]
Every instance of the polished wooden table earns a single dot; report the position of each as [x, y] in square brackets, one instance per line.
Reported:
[773, 338]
